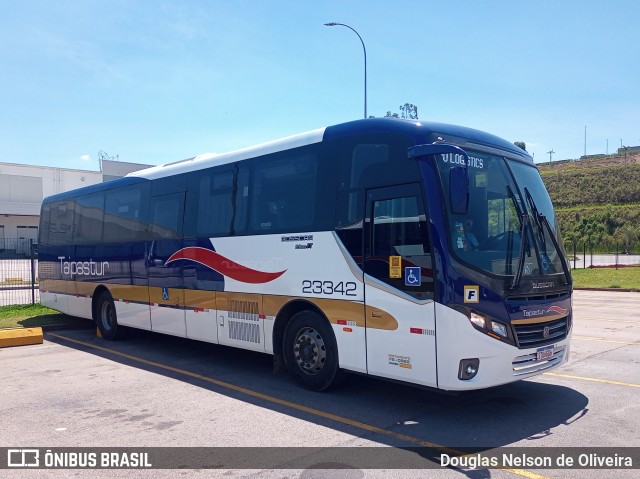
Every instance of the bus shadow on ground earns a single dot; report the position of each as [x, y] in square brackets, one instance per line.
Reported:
[523, 411]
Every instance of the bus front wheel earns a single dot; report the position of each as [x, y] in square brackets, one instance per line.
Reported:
[311, 353]
[107, 319]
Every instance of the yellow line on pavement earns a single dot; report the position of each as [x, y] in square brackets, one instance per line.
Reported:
[582, 318]
[602, 340]
[596, 380]
[296, 406]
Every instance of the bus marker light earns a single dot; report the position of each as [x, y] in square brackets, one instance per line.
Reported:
[347, 330]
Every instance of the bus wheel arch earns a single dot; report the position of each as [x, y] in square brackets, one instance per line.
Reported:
[94, 301]
[304, 340]
[105, 316]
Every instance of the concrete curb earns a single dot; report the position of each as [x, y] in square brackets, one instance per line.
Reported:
[615, 290]
[20, 337]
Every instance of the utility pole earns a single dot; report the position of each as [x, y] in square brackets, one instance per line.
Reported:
[103, 155]
[334, 24]
[551, 152]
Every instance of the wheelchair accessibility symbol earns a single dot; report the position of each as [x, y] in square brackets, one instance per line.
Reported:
[165, 294]
[412, 276]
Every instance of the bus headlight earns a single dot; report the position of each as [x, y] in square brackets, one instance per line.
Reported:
[477, 319]
[486, 324]
[499, 328]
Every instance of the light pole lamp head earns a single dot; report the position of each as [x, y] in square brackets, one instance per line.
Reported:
[330, 24]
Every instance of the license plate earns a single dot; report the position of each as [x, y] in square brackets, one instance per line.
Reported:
[544, 353]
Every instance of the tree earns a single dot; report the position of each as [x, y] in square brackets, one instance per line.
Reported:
[520, 144]
[408, 111]
[628, 234]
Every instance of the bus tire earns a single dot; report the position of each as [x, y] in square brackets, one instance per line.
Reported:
[107, 319]
[311, 352]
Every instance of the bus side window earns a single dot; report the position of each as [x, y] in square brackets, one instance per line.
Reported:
[45, 224]
[89, 218]
[284, 193]
[215, 204]
[167, 216]
[367, 163]
[61, 224]
[241, 200]
[399, 230]
[123, 214]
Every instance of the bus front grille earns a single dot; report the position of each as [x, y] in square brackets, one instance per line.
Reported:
[529, 363]
[539, 334]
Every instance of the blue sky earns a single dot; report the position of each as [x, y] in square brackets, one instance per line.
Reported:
[159, 81]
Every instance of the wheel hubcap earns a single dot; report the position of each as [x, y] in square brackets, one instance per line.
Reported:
[108, 316]
[309, 351]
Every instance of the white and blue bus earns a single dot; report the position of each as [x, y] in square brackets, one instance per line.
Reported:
[413, 251]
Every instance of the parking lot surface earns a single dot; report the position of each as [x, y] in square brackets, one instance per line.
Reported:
[77, 390]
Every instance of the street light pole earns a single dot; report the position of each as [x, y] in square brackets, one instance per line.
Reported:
[333, 24]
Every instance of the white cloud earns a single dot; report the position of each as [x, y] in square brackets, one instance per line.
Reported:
[85, 157]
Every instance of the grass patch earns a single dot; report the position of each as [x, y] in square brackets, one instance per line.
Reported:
[621, 278]
[28, 316]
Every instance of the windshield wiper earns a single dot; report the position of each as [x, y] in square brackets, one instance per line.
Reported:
[524, 240]
[543, 223]
[536, 216]
[541, 243]
[524, 243]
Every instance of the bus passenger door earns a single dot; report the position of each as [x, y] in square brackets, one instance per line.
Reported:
[166, 293]
[398, 266]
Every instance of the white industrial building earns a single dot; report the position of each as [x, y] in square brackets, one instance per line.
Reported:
[23, 187]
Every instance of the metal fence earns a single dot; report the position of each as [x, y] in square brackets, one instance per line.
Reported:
[603, 254]
[19, 264]
[18, 271]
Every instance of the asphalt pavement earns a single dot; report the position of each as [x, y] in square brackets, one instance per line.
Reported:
[153, 390]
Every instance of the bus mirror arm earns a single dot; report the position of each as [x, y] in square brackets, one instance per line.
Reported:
[459, 190]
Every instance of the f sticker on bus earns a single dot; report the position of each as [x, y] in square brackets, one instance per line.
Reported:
[472, 294]
[395, 266]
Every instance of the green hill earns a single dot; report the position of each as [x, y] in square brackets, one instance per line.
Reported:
[597, 200]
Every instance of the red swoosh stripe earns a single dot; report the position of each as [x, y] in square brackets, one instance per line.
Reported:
[557, 309]
[223, 265]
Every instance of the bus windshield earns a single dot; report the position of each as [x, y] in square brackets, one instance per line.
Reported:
[510, 218]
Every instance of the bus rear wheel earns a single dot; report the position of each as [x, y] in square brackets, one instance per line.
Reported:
[107, 318]
[311, 353]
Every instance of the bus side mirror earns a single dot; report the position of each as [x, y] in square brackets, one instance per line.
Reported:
[459, 190]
